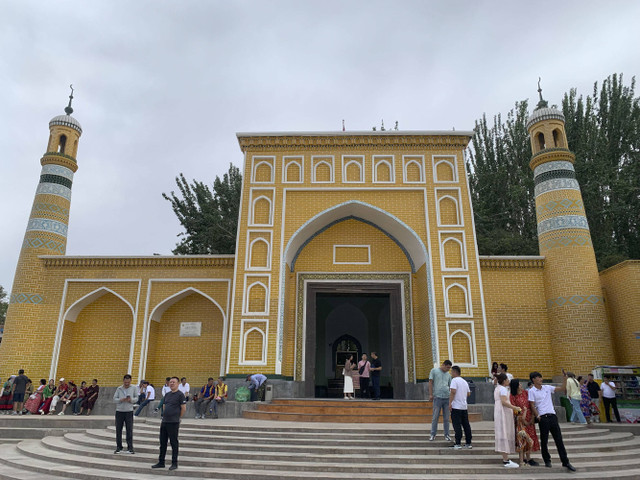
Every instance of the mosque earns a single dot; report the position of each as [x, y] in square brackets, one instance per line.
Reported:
[347, 242]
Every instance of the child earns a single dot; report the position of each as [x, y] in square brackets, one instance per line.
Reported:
[524, 443]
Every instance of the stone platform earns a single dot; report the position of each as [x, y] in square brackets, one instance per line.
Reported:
[234, 449]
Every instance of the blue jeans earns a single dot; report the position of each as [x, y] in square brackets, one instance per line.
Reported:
[577, 415]
[375, 385]
[76, 404]
[440, 404]
[142, 405]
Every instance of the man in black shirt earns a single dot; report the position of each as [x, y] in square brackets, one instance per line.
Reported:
[594, 388]
[174, 408]
[376, 366]
[19, 387]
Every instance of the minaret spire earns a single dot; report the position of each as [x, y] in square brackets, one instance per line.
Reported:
[68, 109]
[542, 103]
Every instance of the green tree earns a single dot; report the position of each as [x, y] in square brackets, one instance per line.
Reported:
[502, 187]
[208, 216]
[3, 306]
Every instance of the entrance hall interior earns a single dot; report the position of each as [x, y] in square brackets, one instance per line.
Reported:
[351, 323]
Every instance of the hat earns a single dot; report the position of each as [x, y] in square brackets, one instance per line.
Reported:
[62, 379]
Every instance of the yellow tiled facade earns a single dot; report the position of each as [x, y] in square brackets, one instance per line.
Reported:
[366, 207]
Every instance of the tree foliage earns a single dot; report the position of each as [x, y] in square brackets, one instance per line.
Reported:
[209, 216]
[3, 305]
[603, 130]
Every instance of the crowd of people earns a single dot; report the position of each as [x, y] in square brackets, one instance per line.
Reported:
[20, 397]
[363, 376]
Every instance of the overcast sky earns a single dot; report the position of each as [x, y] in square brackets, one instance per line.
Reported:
[163, 86]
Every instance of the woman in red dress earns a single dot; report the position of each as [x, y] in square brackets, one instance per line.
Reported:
[520, 398]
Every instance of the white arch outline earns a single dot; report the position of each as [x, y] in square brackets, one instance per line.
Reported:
[255, 169]
[160, 308]
[88, 299]
[243, 360]
[463, 257]
[248, 293]
[288, 164]
[360, 168]
[253, 212]
[405, 172]
[458, 212]
[250, 256]
[471, 348]
[466, 297]
[392, 173]
[453, 170]
[314, 178]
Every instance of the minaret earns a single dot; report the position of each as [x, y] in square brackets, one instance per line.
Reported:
[580, 334]
[46, 234]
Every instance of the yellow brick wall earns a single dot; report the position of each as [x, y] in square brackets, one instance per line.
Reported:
[621, 287]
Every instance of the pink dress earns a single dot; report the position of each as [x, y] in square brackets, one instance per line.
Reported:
[503, 422]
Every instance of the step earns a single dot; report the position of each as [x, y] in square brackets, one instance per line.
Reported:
[351, 409]
[356, 402]
[337, 418]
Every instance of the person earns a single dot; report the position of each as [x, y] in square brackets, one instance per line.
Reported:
[204, 398]
[494, 371]
[124, 398]
[91, 396]
[76, 405]
[347, 372]
[35, 400]
[363, 369]
[504, 427]
[525, 421]
[595, 392]
[70, 396]
[541, 404]
[60, 392]
[6, 396]
[149, 396]
[47, 397]
[185, 388]
[439, 381]
[585, 399]
[19, 388]
[257, 386]
[375, 369]
[220, 396]
[165, 389]
[608, 398]
[575, 397]
[174, 403]
[459, 391]
[502, 368]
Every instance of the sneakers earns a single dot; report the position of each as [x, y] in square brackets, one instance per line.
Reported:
[118, 450]
[456, 447]
[198, 416]
[61, 413]
[533, 463]
[131, 451]
[468, 446]
[511, 464]
[547, 464]
[447, 438]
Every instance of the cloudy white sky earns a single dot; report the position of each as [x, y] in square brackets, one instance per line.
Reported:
[162, 87]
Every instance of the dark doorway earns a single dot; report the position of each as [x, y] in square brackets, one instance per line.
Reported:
[345, 319]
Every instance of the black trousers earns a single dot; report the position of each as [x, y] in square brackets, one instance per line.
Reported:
[126, 419]
[169, 432]
[364, 387]
[460, 420]
[608, 403]
[549, 423]
[375, 385]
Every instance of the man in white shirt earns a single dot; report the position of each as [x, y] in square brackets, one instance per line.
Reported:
[542, 407]
[149, 396]
[458, 393]
[609, 398]
[184, 388]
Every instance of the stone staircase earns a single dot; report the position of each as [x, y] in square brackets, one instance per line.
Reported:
[234, 449]
[346, 411]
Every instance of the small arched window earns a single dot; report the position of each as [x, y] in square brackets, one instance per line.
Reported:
[62, 143]
[557, 138]
[541, 144]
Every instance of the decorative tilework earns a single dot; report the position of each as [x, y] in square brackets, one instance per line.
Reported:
[54, 189]
[49, 207]
[562, 221]
[46, 225]
[575, 300]
[57, 179]
[300, 319]
[546, 176]
[557, 184]
[565, 203]
[26, 298]
[36, 242]
[568, 241]
[555, 165]
[57, 170]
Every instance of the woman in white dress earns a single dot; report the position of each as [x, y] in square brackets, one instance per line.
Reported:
[349, 368]
[503, 421]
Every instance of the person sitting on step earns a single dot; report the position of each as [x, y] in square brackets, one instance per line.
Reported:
[220, 397]
[204, 398]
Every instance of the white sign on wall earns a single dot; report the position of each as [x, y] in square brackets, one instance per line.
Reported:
[190, 329]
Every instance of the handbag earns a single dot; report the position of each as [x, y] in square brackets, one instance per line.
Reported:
[361, 369]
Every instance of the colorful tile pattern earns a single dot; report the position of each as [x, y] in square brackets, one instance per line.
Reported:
[54, 189]
[557, 184]
[58, 247]
[574, 300]
[33, 298]
[563, 221]
[46, 225]
[59, 170]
